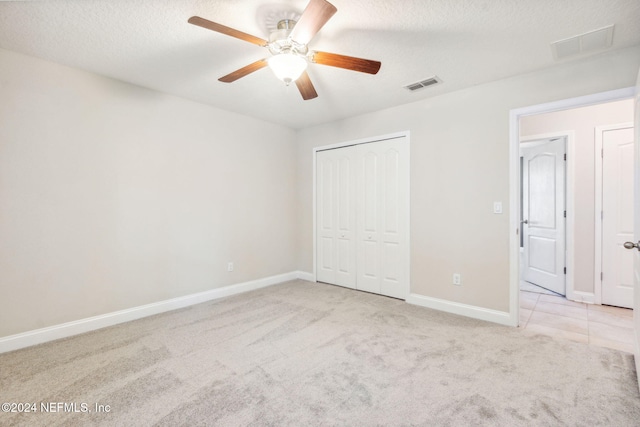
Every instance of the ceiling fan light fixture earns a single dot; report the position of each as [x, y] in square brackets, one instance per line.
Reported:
[288, 45]
[287, 66]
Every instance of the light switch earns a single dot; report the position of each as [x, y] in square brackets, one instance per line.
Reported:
[497, 207]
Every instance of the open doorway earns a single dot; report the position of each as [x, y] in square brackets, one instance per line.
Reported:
[528, 124]
[580, 130]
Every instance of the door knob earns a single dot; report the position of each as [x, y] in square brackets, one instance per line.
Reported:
[526, 221]
[631, 245]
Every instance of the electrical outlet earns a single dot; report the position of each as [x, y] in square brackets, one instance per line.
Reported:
[229, 266]
[457, 279]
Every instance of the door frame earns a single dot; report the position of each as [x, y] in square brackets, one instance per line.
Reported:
[514, 178]
[597, 282]
[569, 201]
[368, 140]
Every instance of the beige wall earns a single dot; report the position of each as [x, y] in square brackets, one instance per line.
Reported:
[113, 196]
[459, 167]
[583, 122]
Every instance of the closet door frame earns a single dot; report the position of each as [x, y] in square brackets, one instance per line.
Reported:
[406, 264]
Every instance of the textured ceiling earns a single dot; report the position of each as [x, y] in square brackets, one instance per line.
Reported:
[464, 42]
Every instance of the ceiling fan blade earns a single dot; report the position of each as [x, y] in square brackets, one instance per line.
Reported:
[232, 77]
[314, 16]
[346, 62]
[306, 87]
[213, 26]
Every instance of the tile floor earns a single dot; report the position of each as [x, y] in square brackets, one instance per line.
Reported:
[599, 325]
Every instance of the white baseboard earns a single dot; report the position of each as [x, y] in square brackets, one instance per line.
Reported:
[305, 275]
[472, 311]
[39, 336]
[580, 296]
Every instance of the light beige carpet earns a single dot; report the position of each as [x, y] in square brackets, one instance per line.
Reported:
[306, 354]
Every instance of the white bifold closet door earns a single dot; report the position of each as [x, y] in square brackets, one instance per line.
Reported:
[362, 217]
[336, 217]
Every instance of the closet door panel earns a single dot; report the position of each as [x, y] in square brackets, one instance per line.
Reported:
[394, 218]
[368, 218]
[325, 252]
[345, 218]
[335, 207]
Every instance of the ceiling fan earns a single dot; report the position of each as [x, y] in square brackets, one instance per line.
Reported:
[289, 50]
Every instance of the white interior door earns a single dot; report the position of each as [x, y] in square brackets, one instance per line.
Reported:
[335, 218]
[636, 228]
[617, 215]
[362, 217]
[382, 212]
[543, 228]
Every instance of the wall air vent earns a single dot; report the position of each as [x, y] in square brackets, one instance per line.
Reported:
[424, 83]
[591, 41]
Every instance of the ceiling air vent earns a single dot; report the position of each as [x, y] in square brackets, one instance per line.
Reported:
[591, 41]
[424, 83]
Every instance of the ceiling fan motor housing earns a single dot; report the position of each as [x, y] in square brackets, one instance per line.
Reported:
[279, 41]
